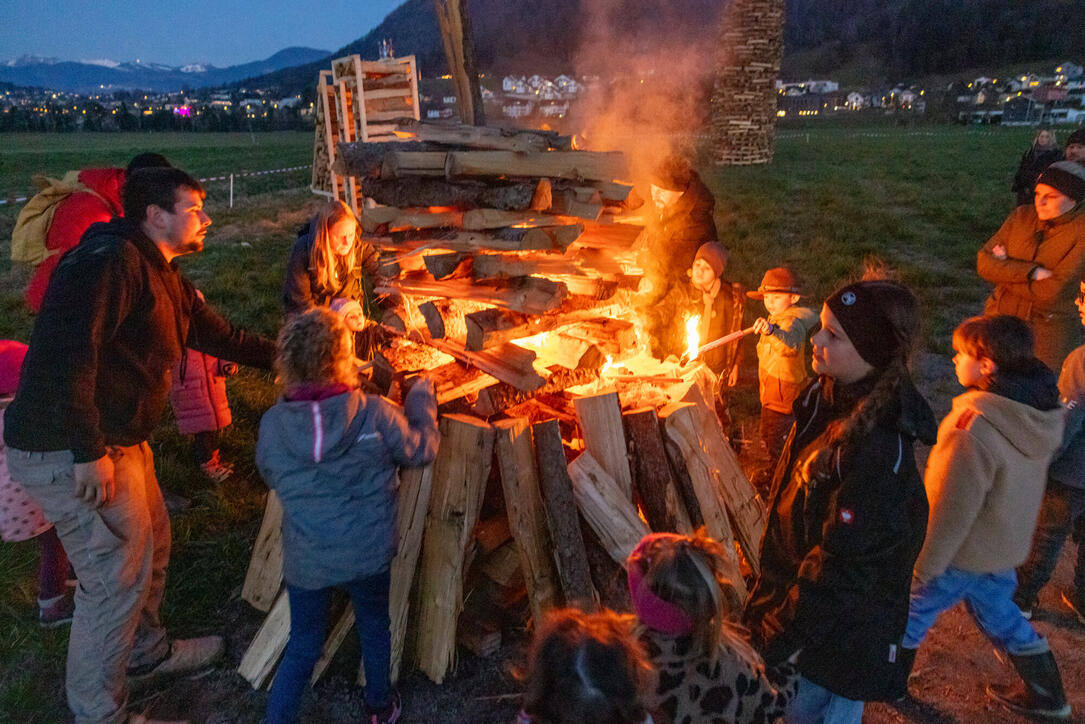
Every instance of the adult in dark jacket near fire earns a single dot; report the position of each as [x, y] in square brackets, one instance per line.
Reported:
[847, 510]
[679, 221]
[117, 315]
[1037, 259]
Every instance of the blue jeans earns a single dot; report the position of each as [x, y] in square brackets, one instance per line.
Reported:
[988, 598]
[1063, 508]
[308, 629]
[814, 704]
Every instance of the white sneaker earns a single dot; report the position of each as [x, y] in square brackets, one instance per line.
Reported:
[185, 657]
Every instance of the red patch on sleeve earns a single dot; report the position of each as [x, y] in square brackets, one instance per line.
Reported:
[966, 418]
[847, 516]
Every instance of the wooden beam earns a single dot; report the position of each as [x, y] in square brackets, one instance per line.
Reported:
[600, 418]
[653, 480]
[681, 423]
[454, 21]
[265, 574]
[605, 506]
[557, 490]
[267, 646]
[459, 482]
[574, 165]
[745, 506]
[508, 363]
[527, 516]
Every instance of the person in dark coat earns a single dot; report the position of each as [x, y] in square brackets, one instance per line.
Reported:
[117, 315]
[1043, 152]
[680, 220]
[1036, 260]
[847, 509]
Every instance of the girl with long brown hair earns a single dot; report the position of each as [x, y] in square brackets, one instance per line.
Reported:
[847, 510]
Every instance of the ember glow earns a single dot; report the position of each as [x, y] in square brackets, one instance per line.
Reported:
[692, 340]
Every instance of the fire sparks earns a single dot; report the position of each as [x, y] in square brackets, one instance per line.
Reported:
[692, 339]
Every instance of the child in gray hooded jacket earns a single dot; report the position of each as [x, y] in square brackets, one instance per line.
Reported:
[330, 452]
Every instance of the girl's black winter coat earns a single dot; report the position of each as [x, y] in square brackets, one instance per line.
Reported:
[837, 553]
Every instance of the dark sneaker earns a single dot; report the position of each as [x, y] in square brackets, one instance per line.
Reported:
[175, 503]
[389, 714]
[56, 612]
[186, 656]
[1076, 601]
[1024, 700]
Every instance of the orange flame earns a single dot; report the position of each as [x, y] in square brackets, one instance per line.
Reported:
[692, 338]
[440, 209]
[405, 134]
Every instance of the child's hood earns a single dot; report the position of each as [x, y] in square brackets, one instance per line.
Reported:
[1034, 432]
[320, 429]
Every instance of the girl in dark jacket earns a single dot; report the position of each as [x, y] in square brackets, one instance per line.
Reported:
[848, 511]
[1043, 152]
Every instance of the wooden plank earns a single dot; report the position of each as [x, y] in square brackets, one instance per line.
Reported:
[343, 626]
[503, 564]
[681, 422]
[557, 349]
[491, 327]
[560, 506]
[576, 165]
[600, 419]
[264, 577]
[459, 482]
[500, 397]
[653, 480]
[527, 516]
[745, 506]
[530, 295]
[508, 363]
[415, 490]
[455, 380]
[491, 533]
[566, 203]
[603, 503]
[267, 646]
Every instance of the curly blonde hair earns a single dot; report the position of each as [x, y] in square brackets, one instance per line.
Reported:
[315, 347]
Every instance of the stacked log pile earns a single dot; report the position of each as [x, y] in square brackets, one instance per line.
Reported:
[539, 492]
[508, 249]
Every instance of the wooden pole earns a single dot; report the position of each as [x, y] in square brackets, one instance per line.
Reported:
[455, 23]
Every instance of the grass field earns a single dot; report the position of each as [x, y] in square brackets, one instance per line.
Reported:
[923, 200]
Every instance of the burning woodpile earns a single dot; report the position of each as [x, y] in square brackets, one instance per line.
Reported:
[563, 440]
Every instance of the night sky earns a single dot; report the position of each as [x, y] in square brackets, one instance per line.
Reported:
[219, 32]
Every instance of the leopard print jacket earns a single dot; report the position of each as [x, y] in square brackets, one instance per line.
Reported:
[689, 691]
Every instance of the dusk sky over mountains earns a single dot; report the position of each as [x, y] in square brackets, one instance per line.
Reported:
[196, 31]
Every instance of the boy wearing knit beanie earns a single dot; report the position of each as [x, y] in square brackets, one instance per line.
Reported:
[1075, 146]
[719, 304]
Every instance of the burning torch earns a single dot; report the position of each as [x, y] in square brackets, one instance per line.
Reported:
[726, 339]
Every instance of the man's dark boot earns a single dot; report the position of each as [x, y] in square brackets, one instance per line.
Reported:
[1039, 693]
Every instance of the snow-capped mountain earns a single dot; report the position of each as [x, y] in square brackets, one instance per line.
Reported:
[99, 74]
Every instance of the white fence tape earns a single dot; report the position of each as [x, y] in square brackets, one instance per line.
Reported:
[24, 199]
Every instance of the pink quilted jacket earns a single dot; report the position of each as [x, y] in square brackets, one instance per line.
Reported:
[198, 397]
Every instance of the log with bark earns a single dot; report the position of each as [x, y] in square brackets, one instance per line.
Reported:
[395, 219]
[653, 480]
[486, 137]
[555, 239]
[413, 191]
[557, 488]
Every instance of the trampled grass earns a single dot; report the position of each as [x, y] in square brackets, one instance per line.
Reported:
[922, 199]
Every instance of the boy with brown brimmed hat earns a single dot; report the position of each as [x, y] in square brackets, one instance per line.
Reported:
[781, 367]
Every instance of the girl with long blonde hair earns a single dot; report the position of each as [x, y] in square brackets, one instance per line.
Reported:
[329, 261]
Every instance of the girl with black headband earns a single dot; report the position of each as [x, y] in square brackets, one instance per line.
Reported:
[847, 511]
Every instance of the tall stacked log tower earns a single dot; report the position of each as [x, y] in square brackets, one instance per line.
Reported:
[743, 123]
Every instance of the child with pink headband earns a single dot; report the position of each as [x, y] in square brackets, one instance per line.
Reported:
[686, 607]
